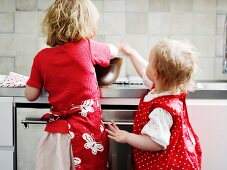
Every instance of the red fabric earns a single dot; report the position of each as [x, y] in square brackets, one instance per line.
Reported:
[90, 140]
[67, 73]
[182, 152]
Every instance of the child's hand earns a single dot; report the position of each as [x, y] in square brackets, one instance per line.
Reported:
[125, 48]
[116, 134]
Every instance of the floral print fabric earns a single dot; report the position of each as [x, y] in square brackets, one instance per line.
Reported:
[87, 134]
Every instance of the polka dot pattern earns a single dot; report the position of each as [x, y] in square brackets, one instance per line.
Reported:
[183, 152]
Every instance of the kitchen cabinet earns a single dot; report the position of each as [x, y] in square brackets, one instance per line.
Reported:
[6, 133]
[209, 119]
[6, 158]
[6, 121]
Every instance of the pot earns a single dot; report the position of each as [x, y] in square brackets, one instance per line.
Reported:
[108, 75]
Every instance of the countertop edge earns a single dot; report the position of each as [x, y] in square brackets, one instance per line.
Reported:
[123, 93]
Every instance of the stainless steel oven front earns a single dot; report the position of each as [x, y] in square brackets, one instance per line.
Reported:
[28, 132]
[29, 129]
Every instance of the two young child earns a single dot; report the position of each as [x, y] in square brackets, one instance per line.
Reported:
[75, 137]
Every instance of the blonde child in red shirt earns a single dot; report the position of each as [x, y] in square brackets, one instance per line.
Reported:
[75, 136]
[163, 137]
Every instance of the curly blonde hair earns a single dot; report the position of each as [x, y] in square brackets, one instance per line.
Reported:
[176, 63]
[70, 21]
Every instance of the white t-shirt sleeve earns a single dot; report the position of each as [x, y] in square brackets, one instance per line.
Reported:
[146, 81]
[158, 127]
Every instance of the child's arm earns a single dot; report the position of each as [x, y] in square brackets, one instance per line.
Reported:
[113, 51]
[31, 93]
[137, 60]
[143, 142]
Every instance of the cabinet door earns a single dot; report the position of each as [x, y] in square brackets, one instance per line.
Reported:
[209, 119]
[6, 121]
[6, 159]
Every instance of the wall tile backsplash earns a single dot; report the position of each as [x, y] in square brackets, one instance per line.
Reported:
[139, 22]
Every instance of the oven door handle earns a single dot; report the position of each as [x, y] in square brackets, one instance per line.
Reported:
[33, 121]
[119, 123]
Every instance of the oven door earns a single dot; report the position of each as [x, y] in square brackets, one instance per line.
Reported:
[28, 132]
[120, 155]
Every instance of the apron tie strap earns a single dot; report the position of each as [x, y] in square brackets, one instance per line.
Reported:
[54, 115]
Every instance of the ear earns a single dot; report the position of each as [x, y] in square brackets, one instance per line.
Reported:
[156, 75]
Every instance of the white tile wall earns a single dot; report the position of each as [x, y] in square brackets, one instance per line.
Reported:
[44, 4]
[220, 24]
[114, 23]
[205, 5]
[6, 64]
[206, 69]
[159, 5]
[114, 6]
[181, 23]
[23, 64]
[25, 22]
[139, 22]
[7, 5]
[7, 45]
[26, 44]
[136, 23]
[40, 16]
[140, 42]
[205, 23]
[181, 5]
[6, 22]
[137, 6]
[25, 5]
[221, 6]
[159, 23]
[205, 45]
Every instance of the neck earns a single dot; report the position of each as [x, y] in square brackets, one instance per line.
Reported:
[159, 89]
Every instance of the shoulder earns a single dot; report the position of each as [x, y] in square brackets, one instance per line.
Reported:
[171, 103]
[162, 115]
[46, 53]
[98, 44]
[42, 52]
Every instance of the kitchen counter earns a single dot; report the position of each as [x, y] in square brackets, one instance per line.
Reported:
[203, 91]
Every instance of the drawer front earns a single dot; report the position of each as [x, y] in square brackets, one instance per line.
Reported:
[6, 121]
[6, 159]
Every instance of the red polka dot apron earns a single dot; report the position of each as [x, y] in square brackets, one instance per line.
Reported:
[183, 152]
[87, 131]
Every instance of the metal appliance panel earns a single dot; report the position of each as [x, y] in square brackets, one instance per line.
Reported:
[27, 139]
[29, 130]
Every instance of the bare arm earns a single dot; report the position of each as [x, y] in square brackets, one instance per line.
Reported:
[137, 60]
[143, 142]
[113, 51]
[31, 93]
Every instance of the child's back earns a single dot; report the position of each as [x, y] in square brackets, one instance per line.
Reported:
[68, 74]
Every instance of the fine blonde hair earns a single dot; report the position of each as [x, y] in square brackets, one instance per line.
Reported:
[175, 62]
[70, 21]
